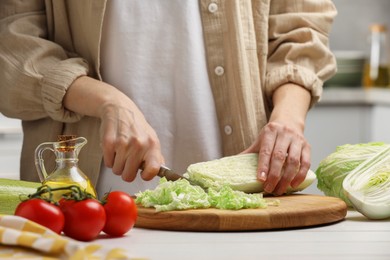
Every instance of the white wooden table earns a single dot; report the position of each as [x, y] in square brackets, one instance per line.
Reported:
[354, 238]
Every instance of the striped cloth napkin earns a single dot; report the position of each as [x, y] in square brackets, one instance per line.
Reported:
[24, 239]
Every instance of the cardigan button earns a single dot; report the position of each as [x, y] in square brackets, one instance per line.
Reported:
[213, 7]
[228, 129]
[219, 70]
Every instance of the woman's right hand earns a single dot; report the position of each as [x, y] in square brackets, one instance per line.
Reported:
[126, 137]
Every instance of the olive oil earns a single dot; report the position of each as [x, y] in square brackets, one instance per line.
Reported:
[375, 77]
[376, 69]
[85, 185]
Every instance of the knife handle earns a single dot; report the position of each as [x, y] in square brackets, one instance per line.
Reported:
[168, 173]
[165, 172]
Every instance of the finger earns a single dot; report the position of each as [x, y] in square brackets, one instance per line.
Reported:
[131, 168]
[127, 146]
[132, 158]
[277, 162]
[304, 166]
[291, 168]
[121, 154]
[150, 166]
[108, 135]
[153, 162]
[145, 152]
[267, 142]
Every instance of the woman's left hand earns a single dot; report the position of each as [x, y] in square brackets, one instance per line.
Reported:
[284, 152]
[284, 157]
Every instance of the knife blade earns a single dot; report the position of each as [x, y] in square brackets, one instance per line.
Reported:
[171, 175]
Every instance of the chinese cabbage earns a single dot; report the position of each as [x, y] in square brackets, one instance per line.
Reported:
[238, 172]
[332, 170]
[368, 186]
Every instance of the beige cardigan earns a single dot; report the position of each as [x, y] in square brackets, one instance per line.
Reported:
[260, 44]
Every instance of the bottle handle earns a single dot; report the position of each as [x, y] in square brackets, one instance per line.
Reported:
[39, 162]
[80, 142]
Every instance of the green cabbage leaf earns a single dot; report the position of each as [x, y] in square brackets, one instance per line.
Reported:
[180, 195]
[174, 195]
[227, 198]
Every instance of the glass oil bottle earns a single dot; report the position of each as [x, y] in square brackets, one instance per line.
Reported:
[376, 68]
[66, 172]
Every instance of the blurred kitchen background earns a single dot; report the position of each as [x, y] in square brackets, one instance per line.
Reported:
[351, 26]
[345, 114]
[350, 114]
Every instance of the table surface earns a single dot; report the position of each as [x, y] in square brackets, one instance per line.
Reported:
[353, 238]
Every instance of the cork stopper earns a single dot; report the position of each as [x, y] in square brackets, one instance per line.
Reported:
[67, 142]
[377, 27]
[61, 138]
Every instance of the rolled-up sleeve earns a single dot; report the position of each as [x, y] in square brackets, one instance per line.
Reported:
[35, 72]
[299, 45]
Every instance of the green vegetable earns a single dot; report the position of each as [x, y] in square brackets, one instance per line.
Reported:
[226, 198]
[368, 186]
[332, 170]
[11, 192]
[377, 180]
[175, 195]
[180, 195]
[238, 172]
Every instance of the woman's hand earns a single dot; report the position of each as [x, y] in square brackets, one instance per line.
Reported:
[127, 141]
[284, 153]
[126, 137]
[284, 157]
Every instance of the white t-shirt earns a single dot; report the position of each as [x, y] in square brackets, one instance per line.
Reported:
[153, 51]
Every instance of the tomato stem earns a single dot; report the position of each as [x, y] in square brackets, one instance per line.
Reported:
[75, 193]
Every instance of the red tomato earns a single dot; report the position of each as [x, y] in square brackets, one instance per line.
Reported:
[43, 213]
[84, 219]
[121, 212]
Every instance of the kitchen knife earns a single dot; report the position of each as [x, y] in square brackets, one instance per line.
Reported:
[172, 175]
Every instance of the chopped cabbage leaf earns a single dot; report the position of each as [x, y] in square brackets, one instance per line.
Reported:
[174, 195]
[180, 195]
[227, 198]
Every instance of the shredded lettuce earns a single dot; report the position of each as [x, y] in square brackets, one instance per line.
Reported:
[174, 195]
[180, 195]
[227, 198]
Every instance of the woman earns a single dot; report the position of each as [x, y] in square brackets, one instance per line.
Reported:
[166, 82]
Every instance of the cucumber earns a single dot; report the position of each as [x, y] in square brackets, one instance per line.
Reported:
[11, 192]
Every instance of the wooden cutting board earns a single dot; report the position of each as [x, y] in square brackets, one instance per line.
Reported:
[297, 210]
